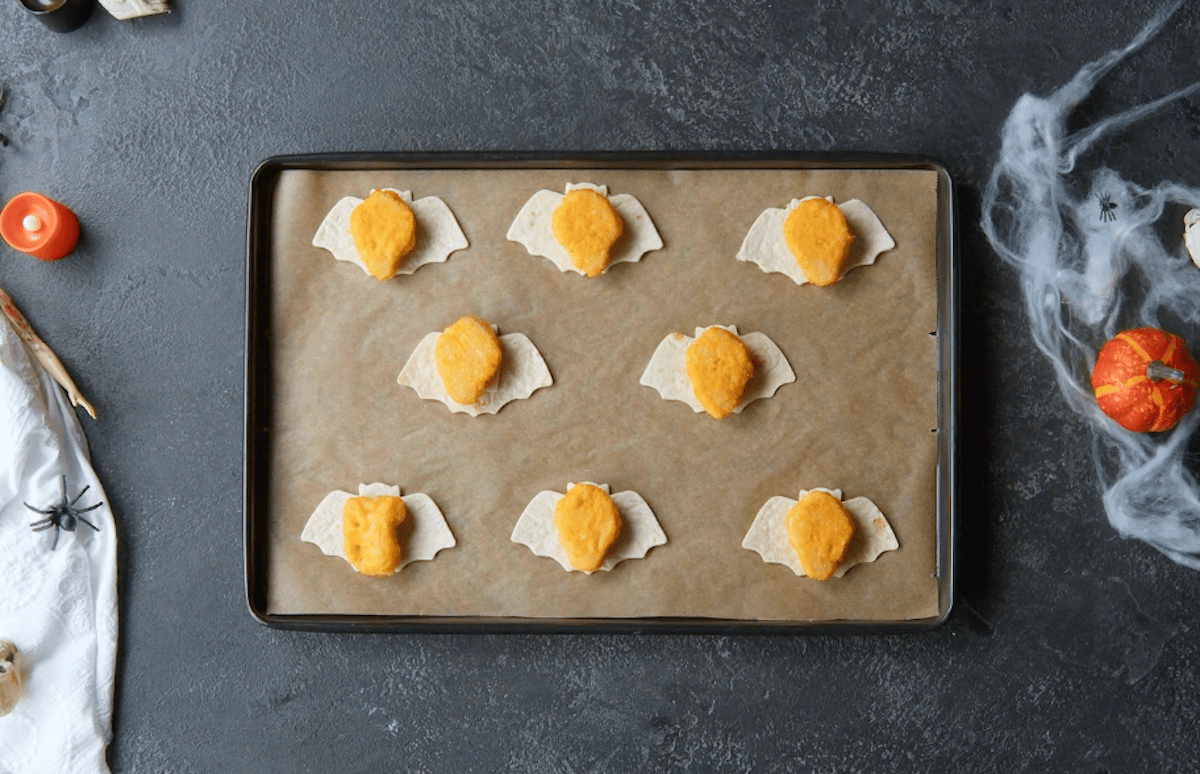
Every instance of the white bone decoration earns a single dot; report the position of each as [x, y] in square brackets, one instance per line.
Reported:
[10, 676]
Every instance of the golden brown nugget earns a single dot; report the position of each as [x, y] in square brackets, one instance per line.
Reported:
[468, 356]
[719, 367]
[384, 230]
[819, 530]
[371, 533]
[587, 226]
[817, 234]
[587, 522]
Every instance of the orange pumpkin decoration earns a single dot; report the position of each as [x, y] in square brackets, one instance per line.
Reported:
[1145, 379]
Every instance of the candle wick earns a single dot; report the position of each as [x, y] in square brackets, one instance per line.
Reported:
[31, 223]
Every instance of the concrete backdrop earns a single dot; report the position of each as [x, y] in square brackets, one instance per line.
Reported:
[1070, 648]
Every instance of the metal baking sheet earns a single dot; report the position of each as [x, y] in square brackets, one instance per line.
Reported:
[309, 432]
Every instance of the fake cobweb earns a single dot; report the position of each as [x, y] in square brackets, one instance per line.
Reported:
[1094, 260]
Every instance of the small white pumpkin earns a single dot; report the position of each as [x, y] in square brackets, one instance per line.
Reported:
[1191, 234]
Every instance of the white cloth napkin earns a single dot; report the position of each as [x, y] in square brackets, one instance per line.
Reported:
[58, 606]
[131, 9]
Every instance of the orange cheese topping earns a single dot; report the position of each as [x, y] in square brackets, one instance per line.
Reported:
[587, 226]
[819, 238]
[384, 231]
[371, 533]
[468, 357]
[719, 367]
[587, 522]
[819, 530]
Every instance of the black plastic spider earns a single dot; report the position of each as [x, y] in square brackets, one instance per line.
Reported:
[1107, 205]
[63, 515]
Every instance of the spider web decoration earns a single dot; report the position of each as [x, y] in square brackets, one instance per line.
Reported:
[1072, 264]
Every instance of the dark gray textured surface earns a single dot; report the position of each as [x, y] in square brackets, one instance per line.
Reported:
[1070, 649]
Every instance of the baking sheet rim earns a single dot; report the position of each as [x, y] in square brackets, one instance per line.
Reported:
[257, 353]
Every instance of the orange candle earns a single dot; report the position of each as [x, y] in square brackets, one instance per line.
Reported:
[38, 225]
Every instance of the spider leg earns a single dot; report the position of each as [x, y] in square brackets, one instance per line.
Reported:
[89, 508]
[81, 491]
[85, 521]
[41, 525]
[54, 545]
[48, 511]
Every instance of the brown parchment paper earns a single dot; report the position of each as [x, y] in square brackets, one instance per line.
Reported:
[860, 416]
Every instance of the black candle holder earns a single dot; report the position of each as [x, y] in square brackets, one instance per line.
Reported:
[60, 15]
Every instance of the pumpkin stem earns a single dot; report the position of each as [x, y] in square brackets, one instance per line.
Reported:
[1156, 370]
